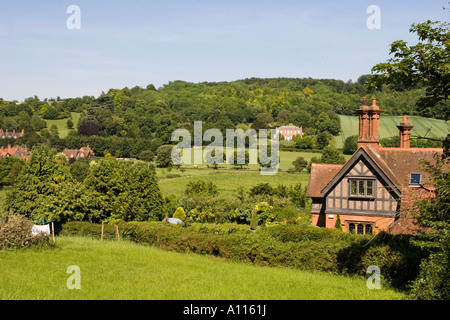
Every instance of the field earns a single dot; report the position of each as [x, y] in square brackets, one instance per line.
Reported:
[61, 124]
[228, 178]
[388, 127]
[124, 270]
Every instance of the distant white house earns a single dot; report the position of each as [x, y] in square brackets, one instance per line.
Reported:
[288, 132]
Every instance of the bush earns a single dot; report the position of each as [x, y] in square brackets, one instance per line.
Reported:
[180, 214]
[15, 233]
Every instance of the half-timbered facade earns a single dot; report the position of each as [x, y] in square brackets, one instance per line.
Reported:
[369, 190]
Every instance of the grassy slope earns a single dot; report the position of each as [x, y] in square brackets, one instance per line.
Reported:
[388, 127]
[61, 124]
[123, 270]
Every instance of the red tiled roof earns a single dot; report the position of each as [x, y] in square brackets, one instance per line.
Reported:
[320, 176]
[402, 161]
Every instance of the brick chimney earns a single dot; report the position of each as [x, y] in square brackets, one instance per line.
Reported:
[405, 132]
[369, 117]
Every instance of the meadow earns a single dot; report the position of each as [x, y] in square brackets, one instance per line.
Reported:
[61, 124]
[228, 178]
[125, 270]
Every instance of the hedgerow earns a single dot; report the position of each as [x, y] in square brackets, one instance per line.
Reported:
[299, 246]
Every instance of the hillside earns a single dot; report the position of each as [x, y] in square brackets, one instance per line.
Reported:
[388, 127]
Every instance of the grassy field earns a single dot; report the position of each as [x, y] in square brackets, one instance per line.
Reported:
[61, 124]
[124, 270]
[388, 127]
[228, 178]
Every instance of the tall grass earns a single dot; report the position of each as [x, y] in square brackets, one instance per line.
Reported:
[124, 270]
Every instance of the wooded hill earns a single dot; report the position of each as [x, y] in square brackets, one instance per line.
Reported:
[147, 116]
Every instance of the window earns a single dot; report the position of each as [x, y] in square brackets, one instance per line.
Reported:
[351, 228]
[360, 228]
[361, 187]
[415, 179]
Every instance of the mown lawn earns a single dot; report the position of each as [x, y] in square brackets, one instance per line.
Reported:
[227, 180]
[124, 270]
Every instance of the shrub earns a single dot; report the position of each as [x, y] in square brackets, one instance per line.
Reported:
[180, 214]
[15, 233]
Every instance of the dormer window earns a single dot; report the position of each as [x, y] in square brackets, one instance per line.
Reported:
[415, 179]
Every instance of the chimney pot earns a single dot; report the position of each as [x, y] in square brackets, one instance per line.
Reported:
[374, 101]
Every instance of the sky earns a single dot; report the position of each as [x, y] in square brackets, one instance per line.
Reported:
[139, 42]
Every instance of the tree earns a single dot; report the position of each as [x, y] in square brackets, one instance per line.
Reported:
[299, 164]
[332, 156]
[89, 128]
[37, 123]
[69, 124]
[262, 121]
[433, 217]
[351, 144]
[164, 156]
[337, 224]
[423, 64]
[240, 159]
[37, 192]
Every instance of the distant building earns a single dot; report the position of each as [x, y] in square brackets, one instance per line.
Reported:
[288, 132]
[84, 152]
[11, 134]
[14, 152]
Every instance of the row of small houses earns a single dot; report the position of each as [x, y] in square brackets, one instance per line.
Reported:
[24, 153]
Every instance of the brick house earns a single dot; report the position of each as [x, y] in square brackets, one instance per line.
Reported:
[372, 189]
[288, 132]
[11, 134]
[14, 152]
[74, 154]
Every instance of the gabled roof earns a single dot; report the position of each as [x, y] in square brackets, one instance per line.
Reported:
[381, 169]
[392, 165]
[319, 177]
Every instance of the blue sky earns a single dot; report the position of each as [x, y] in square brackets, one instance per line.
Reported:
[129, 43]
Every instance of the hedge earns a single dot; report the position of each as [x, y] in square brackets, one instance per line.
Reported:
[298, 246]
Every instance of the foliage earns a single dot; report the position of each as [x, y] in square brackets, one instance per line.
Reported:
[15, 233]
[299, 164]
[10, 168]
[351, 145]
[423, 64]
[180, 214]
[201, 188]
[164, 156]
[46, 190]
[331, 155]
[337, 224]
[433, 217]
